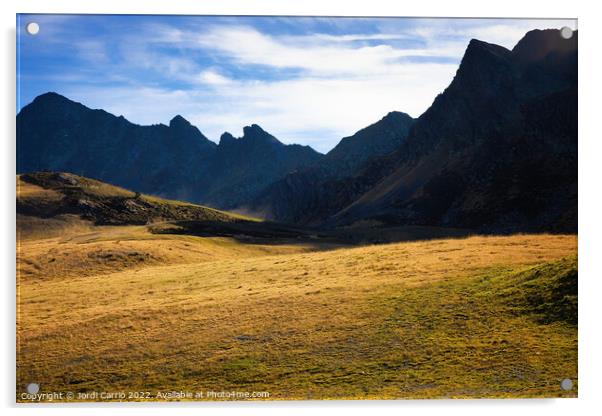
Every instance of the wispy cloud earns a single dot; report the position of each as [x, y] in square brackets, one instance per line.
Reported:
[212, 77]
[317, 54]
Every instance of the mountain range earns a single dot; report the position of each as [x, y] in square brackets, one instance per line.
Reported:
[175, 161]
[495, 152]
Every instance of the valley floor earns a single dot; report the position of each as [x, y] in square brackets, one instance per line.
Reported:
[111, 309]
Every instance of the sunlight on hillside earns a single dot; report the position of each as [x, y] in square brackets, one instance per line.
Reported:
[119, 308]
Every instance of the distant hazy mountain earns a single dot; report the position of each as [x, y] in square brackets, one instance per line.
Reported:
[304, 196]
[175, 161]
[496, 151]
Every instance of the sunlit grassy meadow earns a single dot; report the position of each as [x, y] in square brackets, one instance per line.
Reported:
[119, 308]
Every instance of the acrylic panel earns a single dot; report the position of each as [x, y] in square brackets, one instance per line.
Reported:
[295, 208]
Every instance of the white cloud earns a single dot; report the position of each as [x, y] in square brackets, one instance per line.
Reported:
[319, 54]
[212, 77]
[356, 37]
[93, 51]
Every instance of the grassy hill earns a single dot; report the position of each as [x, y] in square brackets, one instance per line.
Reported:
[49, 194]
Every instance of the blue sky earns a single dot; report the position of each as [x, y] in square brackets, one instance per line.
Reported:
[305, 80]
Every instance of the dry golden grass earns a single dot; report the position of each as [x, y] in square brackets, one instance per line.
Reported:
[403, 320]
[87, 185]
[35, 228]
[28, 190]
[79, 249]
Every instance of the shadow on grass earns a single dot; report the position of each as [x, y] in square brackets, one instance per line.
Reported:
[279, 233]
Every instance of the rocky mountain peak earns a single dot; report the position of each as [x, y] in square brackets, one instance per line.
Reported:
[226, 139]
[179, 121]
[537, 44]
[255, 133]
